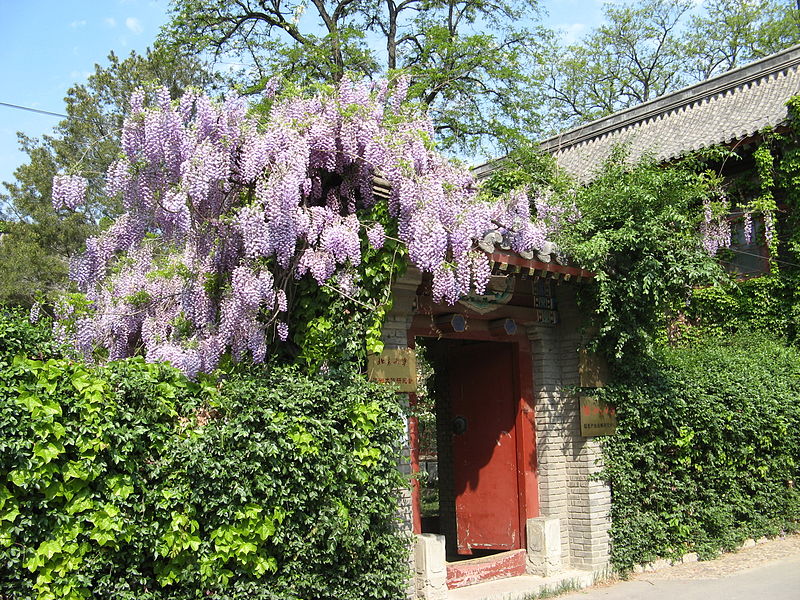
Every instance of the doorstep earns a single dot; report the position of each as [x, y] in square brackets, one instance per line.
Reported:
[486, 568]
[523, 586]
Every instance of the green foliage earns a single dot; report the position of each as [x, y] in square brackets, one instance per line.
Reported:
[645, 49]
[18, 335]
[128, 481]
[787, 177]
[707, 451]
[638, 234]
[472, 62]
[327, 455]
[633, 57]
[764, 202]
[334, 328]
[731, 33]
[526, 166]
[768, 304]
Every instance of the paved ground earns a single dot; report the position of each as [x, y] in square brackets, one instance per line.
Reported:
[767, 571]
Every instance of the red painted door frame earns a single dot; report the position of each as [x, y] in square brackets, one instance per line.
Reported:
[527, 468]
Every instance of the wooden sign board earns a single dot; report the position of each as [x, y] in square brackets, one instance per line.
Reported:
[394, 366]
[597, 417]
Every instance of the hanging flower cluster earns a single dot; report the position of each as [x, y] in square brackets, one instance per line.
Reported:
[715, 230]
[748, 228]
[769, 229]
[68, 191]
[224, 211]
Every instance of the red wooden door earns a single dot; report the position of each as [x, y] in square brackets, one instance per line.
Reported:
[483, 407]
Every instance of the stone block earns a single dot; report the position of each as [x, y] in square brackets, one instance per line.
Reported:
[544, 546]
[692, 557]
[430, 567]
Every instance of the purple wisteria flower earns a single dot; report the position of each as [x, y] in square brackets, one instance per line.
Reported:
[769, 228]
[223, 212]
[376, 236]
[715, 231]
[748, 228]
[69, 191]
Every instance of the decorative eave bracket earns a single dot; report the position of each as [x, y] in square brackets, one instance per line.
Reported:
[508, 263]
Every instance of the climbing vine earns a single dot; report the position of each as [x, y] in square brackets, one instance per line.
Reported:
[764, 202]
[227, 210]
[769, 303]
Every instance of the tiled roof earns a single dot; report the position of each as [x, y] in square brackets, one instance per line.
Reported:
[720, 110]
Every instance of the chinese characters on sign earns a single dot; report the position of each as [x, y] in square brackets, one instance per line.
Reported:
[394, 366]
[597, 417]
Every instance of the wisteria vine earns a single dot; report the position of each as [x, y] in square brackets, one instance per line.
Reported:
[224, 210]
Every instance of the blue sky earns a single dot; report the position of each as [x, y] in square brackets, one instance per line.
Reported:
[49, 45]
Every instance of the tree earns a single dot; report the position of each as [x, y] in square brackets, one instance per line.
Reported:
[734, 32]
[479, 86]
[232, 218]
[646, 50]
[39, 241]
[636, 56]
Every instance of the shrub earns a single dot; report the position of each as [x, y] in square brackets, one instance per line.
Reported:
[129, 481]
[638, 233]
[707, 449]
[19, 336]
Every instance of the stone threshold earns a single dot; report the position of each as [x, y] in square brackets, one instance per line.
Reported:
[522, 587]
[486, 568]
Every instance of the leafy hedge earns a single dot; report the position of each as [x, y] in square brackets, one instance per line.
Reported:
[707, 450]
[128, 481]
[769, 304]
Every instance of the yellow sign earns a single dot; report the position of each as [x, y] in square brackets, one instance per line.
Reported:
[397, 366]
[597, 417]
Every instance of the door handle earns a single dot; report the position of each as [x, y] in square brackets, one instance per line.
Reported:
[459, 425]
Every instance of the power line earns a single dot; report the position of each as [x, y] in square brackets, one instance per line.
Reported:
[35, 110]
[780, 262]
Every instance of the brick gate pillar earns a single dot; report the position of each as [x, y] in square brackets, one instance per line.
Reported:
[566, 460]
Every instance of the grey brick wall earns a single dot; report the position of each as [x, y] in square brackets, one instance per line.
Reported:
[395, 335]
[566, 459]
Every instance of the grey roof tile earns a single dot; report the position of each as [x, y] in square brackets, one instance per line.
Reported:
[724, 109]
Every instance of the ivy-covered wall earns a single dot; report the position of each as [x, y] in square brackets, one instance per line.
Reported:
[762, 182]
[707, 451]
[129, 481]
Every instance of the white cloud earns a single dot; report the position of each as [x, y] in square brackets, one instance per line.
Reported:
[134, 25]
[110, 22]
[76, 24]
[572, 33]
